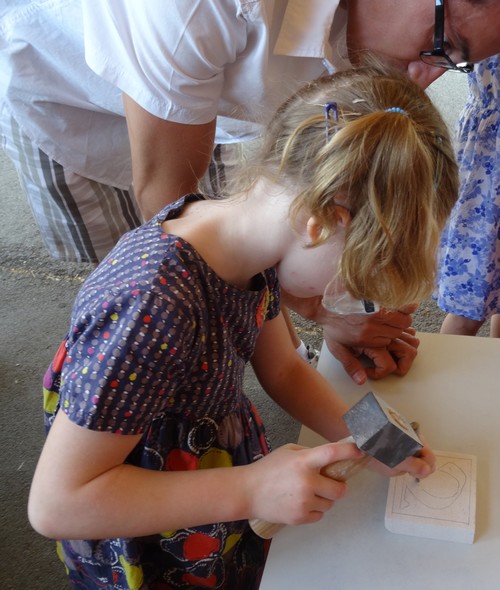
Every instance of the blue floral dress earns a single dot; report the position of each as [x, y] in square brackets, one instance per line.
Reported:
[157, 345]
[469, 261]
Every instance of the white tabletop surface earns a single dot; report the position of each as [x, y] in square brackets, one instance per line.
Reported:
[453, 391]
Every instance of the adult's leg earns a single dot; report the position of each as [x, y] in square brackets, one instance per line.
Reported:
[79, 219]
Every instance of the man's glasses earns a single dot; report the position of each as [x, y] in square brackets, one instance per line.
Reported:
[438, 56]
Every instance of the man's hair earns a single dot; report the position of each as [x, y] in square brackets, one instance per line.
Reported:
[395, 169]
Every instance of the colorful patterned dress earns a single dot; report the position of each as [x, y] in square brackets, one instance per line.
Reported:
[469, 273]
[157, 345]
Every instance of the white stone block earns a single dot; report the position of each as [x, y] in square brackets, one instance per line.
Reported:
[441, 506]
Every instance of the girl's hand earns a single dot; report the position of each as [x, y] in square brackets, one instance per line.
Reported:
[287, 487]
[420, 466]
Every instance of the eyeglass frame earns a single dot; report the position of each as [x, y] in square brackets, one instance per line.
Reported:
[438, 50]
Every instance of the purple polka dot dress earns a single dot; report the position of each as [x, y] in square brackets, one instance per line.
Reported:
[157, 346]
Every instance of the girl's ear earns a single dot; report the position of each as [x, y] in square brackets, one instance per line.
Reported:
[314, 226]
[343, 215]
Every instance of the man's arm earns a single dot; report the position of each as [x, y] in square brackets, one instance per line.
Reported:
[168, 158]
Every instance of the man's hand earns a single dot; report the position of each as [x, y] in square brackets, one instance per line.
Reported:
[361, 363]
[374, 330]
[386, 338]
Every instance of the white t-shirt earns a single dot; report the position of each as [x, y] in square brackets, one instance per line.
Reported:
[186, 60]
[67, 110]
[190, 61]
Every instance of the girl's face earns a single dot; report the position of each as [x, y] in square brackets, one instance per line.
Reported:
[306, 271]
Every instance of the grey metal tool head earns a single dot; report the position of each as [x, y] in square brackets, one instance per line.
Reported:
[380, 431]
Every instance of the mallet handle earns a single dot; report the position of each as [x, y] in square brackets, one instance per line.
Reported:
[340, 470]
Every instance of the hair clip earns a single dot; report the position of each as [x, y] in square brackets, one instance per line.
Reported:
[396, 110]
[330, 108]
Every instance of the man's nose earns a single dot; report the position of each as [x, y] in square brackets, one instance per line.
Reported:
[424, 74]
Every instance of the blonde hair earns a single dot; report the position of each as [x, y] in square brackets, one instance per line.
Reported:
[395, 169]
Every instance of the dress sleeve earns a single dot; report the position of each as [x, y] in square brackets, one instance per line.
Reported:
[168, 56]
[124, 362]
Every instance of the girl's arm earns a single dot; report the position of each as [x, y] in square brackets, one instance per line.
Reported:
[296, 386]
[83, 490]
[308, 397]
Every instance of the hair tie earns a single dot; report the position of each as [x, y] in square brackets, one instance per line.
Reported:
[396, 110]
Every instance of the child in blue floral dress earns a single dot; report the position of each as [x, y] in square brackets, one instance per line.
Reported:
[469, 271]
[155, 459]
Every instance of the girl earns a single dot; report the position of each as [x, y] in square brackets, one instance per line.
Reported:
[154, 452]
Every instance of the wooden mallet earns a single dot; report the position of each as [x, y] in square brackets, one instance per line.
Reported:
[379, 431]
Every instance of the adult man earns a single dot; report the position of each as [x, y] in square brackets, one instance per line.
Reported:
[192, 65]
[189, 69]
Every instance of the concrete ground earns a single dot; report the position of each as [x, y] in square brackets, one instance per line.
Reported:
[36, 295]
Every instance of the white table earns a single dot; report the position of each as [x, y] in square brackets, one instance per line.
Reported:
[453, 391]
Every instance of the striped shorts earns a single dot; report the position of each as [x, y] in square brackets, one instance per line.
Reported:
[79, 219]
